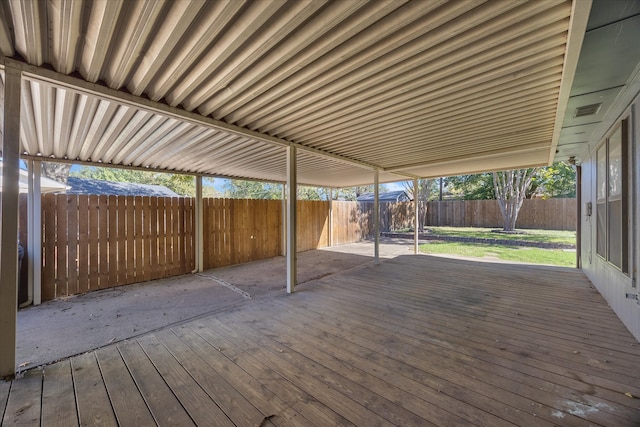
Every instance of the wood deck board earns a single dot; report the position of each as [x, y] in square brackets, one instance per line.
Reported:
[232, 403]
[442, 359]
[497, 359]
[487, 341]
[126, 400]
[467, 404]
[301, 401]
[413, 341]
[555, 378]
[163, 404]
[532, 341]
[58, 401]
[94, 407]
[4, 395]
[260, 396]
[199, 405]
[296, 373]
[23, 404]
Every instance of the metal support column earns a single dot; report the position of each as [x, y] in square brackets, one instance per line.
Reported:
[579, 216]
[292, 187]
[284, 219]
[9, 224]
[416, 215]
[199, 226]
[34, 231]
[376, 215]
[330, 219]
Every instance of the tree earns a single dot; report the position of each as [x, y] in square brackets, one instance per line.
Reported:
[184, 185]
[426, 188]
[471, 187]
[239, 189]
[510, 190]
[56, 171]
[557, 180]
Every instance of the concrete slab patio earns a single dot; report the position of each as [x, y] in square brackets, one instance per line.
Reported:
[74, 325]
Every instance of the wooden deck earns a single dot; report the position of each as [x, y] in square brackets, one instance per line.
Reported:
[416, 340]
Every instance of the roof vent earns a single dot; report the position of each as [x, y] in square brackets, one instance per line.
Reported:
[588, 110]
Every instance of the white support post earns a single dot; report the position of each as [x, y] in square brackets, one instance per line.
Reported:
[199, 244]
[416, 220]
[330, 219]
[376, 216]
[34, 231]
[292, 196]
[284, 219]
[9, 224]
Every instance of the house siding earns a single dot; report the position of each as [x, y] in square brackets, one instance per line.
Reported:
[611, 282]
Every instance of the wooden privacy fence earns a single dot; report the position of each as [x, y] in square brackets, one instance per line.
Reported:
[97, 242]
[241, 230]
[549, 214]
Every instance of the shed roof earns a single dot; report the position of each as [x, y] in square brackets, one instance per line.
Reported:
[414, 89]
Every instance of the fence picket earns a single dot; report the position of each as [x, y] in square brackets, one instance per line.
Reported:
[103, 221]
[153, 249]
[94, 235]
[61, 246]
[129, 227]
[49, 247]
[83, 245]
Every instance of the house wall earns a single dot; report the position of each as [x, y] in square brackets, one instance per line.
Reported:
[610, 281]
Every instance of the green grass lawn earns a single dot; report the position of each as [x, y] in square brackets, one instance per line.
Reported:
[553, 236]
[507, 253]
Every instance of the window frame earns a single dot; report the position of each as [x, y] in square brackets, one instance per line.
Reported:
[605, 237]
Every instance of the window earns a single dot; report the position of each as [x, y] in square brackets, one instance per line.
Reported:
[612, 229]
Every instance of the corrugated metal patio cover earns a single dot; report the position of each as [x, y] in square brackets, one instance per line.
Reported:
[414, 88]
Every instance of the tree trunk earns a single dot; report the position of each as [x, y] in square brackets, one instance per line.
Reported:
[511, 188]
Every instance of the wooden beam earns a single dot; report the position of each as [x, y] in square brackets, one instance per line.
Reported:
[292, 188]
[9, 228]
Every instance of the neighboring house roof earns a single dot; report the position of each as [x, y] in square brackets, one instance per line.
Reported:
[47, 185]
[95, 186]
[389, 196]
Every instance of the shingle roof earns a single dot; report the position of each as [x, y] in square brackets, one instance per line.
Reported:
[95, 186]
[389, 196]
